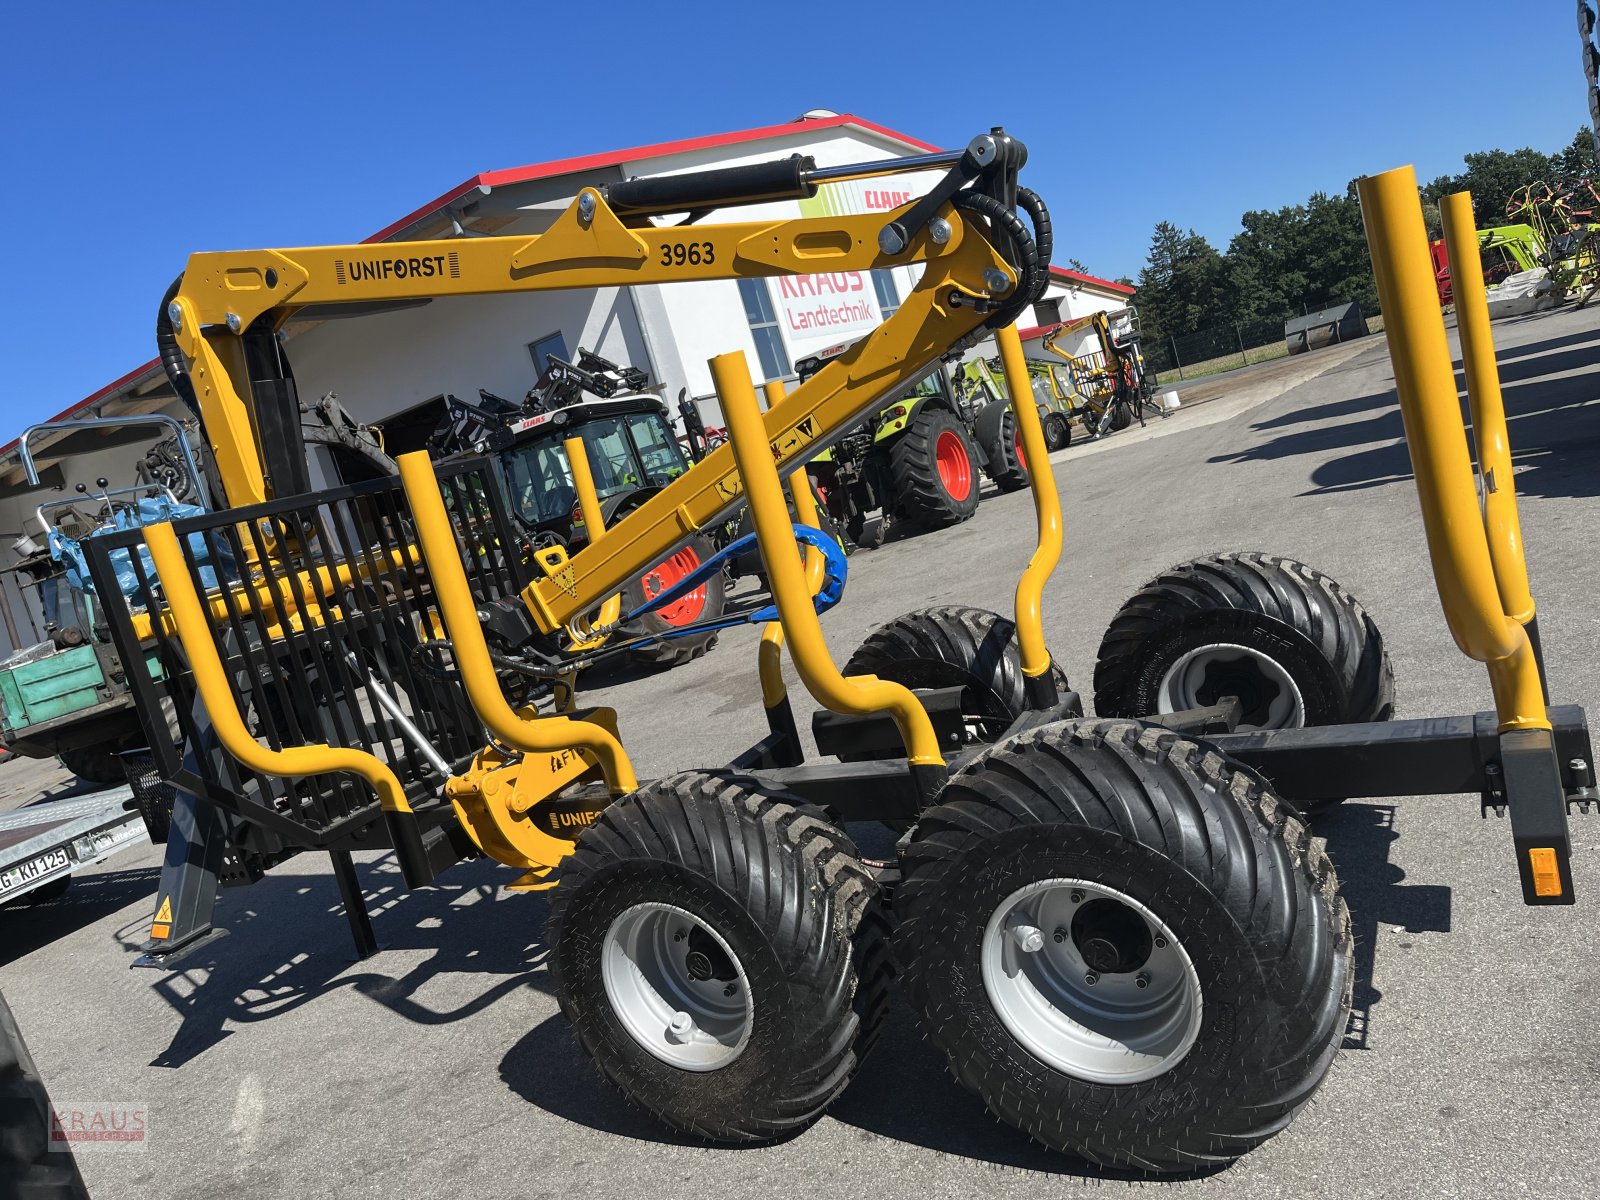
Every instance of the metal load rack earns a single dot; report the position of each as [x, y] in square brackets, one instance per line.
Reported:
[322, 629]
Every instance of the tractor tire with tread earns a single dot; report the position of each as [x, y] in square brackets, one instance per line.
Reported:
[1249, 899]
[994, 428]
[785, 891]
[1286, 614]
[921, 493]
[671, 651]
[101, 763]
[1057, 432]
[954, 646]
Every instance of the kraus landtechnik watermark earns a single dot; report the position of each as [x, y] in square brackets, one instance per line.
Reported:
[84, 1125]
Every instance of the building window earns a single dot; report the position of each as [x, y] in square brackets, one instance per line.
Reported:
[542, 349]
[888, 293]
[763, 320]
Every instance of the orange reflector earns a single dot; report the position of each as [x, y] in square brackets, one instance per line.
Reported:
[1546, 874]
[160, 932]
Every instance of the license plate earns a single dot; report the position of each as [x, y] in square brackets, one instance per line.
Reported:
[35, 868]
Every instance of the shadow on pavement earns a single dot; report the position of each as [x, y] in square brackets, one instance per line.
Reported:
[26, 925]
[1359, 837]
[1554, 430]
[288, 944]
[902, 1094]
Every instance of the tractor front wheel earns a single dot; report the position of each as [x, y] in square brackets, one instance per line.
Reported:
[1125, 945]
[934, 468]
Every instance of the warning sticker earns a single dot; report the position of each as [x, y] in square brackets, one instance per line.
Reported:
[794, 439]
[729, 486]
[164, 913]
[555, 564]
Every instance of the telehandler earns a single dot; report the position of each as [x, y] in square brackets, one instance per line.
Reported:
[1119, 930]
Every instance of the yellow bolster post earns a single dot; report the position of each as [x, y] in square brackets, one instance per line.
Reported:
[1046, 506]
[769, 659]
[1437, 442]
[211, 680]
[593, 522]
[1500, 519]
[539, 735]
[857, 695]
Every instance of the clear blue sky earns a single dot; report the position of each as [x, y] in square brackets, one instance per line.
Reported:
[140, 132]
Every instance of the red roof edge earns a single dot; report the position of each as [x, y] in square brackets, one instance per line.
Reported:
[569, 166]
[612, 158]
[1092, 280]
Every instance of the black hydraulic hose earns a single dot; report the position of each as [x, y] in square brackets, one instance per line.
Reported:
[172, 360]
[1032, 276]
[1043, 238]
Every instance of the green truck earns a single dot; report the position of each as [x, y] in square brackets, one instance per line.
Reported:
[63, 691]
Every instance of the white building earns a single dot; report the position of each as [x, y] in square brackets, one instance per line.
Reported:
[394, 367]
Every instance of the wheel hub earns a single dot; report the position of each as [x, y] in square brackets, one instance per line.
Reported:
[675, 985]
[1111, 997]
[1268, 696]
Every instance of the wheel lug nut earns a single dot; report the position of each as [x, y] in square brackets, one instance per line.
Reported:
[1161, 943]
[681, 1025]
[1060, 936]
[1028, 938]
[1077, 895]
[730, 989]
[1091, 979]
[1142, 979]
[679, 936]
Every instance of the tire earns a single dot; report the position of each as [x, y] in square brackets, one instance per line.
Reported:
[954, 646]
[925, 494]
[669, 652]
[769, 884]
[1018, 883]
[1007, 466]
[1057, 432]
[1121, 415]
[29, 1165]
[749, 563]
[95, 764]
[1295, 646]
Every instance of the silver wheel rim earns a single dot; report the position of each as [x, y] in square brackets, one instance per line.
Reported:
[1197, 671]
[654, 986]
[1124, 1026]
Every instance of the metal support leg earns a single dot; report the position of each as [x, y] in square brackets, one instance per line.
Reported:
[355, 903]
[187, 896]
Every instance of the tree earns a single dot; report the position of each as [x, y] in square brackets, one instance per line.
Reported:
[1579, 157]
[1184, 284]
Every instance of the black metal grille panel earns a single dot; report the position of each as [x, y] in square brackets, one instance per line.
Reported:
[317, 601]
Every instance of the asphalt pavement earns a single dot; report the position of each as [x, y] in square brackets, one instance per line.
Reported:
[442, 1067]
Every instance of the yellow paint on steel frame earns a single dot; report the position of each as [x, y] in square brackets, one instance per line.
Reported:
[1046, 506]
[860, 694]
[769, 655]
[531, 735]
[589, 252]
[594, 525]
[1463, 568]
[211, 681]
[1488, 409]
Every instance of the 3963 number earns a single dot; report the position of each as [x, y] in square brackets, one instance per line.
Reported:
[677, 254]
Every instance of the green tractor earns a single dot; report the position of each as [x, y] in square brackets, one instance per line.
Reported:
[917, 461]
